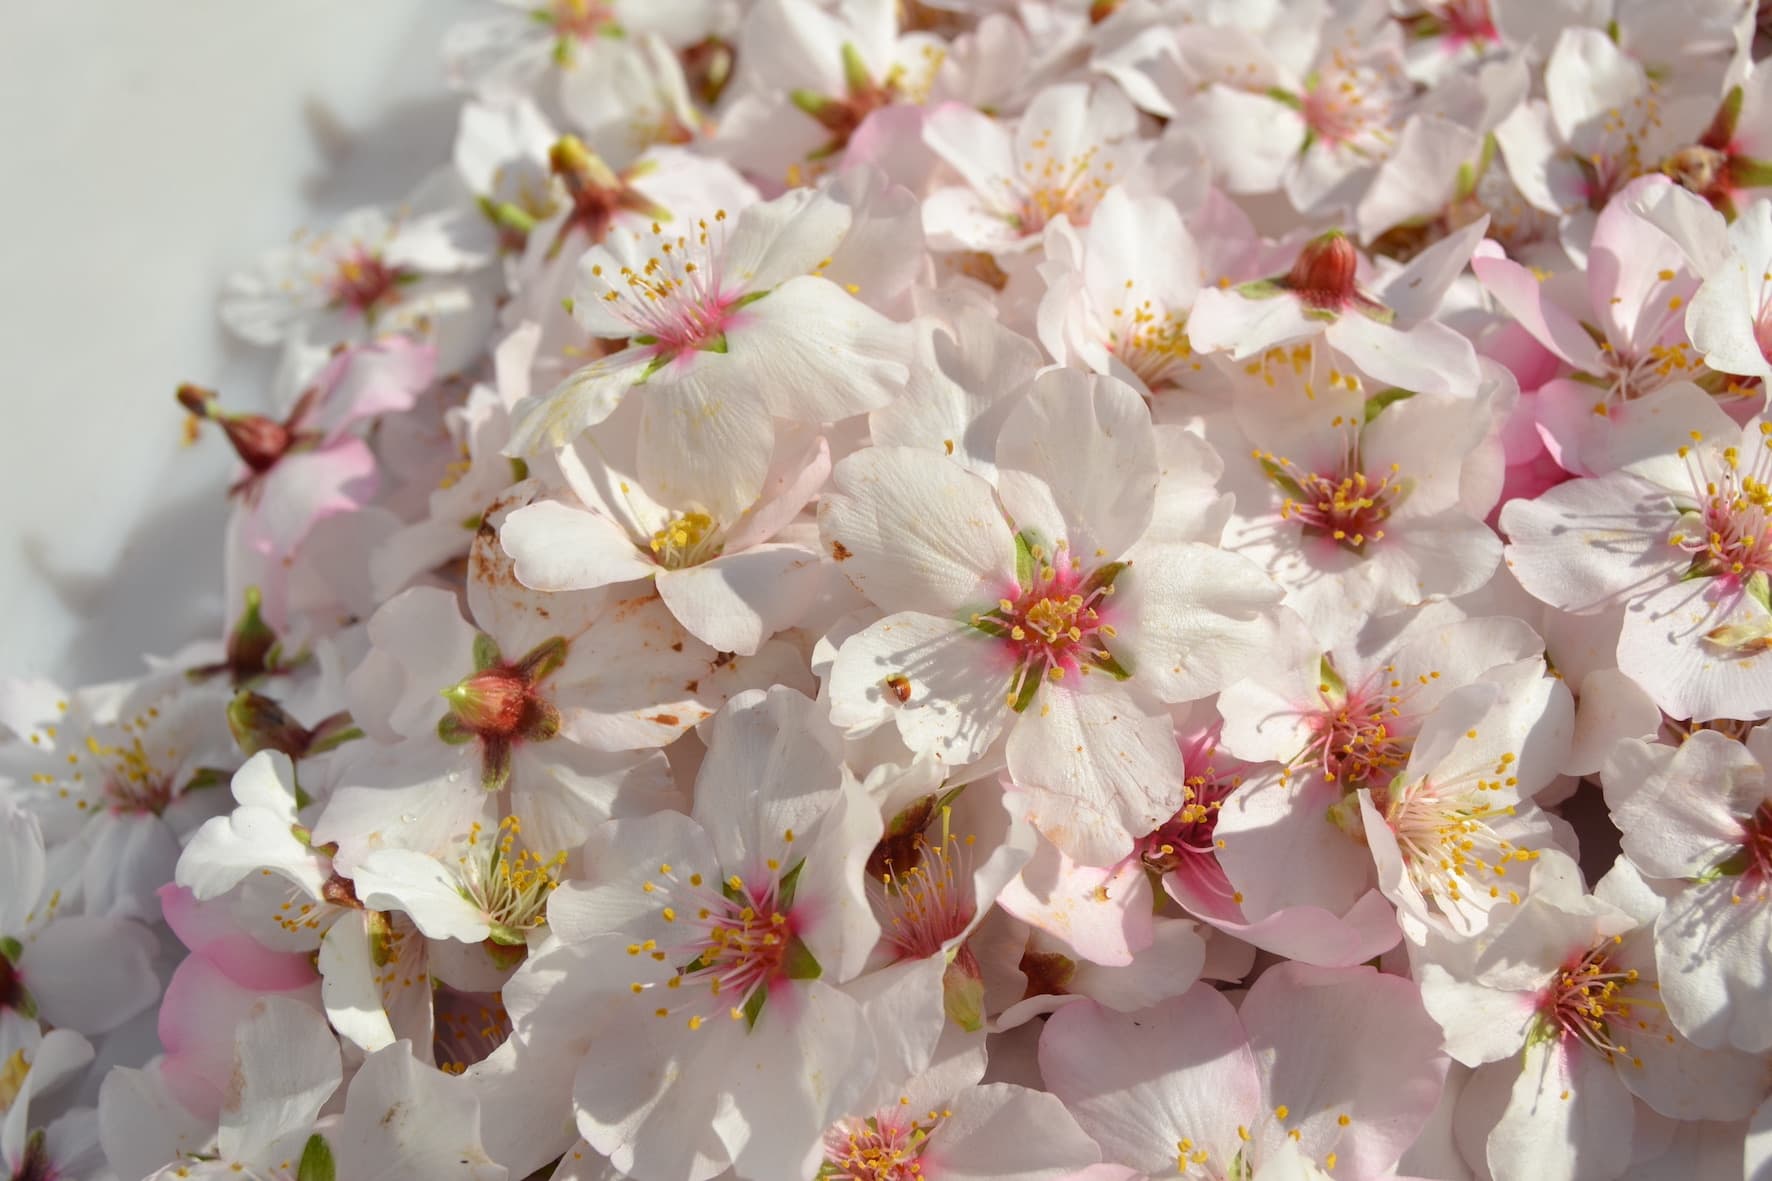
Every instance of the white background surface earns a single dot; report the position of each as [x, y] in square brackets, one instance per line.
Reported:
[150, 149]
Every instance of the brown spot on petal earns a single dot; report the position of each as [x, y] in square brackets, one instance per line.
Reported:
[900, 686]
[840, 551]
[664, 719]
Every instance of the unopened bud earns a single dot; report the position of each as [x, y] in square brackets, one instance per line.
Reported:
[1323, 275]
[258, 723]
[491, 703]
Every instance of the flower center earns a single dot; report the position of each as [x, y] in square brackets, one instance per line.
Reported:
[1351, 106]
[1188, 835]
[1727, 533]
[1443, 830]
[687, 540]
[1151, 342]
[581, 20]
[364, 284]
[1360, 736]
[510, 885]
[676, 301]
[883, 1147]
[470, 1026]
[1347, 505]
[1591, 1000]
[1049, 186]
[929, 901]
[740, 941]
[1057, 622]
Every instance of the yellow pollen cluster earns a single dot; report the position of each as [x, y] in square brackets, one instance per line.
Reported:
[686, 540]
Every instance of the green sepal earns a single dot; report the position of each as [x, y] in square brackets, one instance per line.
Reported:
[381, 938]
[1733, 866]
[1108, 663]
[11, 948]
[1281, 480]
[1260, 289]
[749, 298]
[495, 765]
[453, 731]
[1751, 174]
[204, 778]
[333, 732]
[541, 661]
[1759, 588]
[643, 338]
[789, 885]
[1281, 95]
[316, 1161]
[506, 936]
[1376, 404]
[519, 469]
[1024, 560]
[753, 1007]
[798, 962]
[856, 75]
[714, 344]
[486, 653]
[809, 101]
[1372, 310]
[1031, 677]
[1344, 814]
[962, 993]
[990, 625]
[1329, 679]
[1103, 577]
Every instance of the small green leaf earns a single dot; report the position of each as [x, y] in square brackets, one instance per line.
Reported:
[316, 1161]
[753, 1007]
[1759, 588]
[790, 883]
[454, 731]
[1031, 676]
[541, 661]
[1751, 174]
[1024, 560]
[1376, 404]
[856, 75]
[486, 653]
[798, 961]
[11, 948]
[809, 101]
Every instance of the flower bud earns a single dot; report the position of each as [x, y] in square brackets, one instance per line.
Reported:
[491, 703]
[1323, 275]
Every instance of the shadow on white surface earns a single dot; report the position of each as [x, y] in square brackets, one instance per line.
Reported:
[172, 160]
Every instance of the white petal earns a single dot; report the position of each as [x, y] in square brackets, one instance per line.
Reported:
[401, 879]
[955, 685]
[287, 1067]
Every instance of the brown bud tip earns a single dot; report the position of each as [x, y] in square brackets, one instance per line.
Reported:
[1323, 276]
[259, 441]
[196, 399]
[1100, 10]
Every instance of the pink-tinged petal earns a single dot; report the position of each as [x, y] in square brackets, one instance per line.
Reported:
[1609, 709]
[584, 399]
[793, 482]
[1430, 358]
[999, 1130]
[1521, 294]
[1090, 441]
[210, 930]
[736, 601]
[386, 376]
[1193, 618]
[1420, 178]
[703, 442]
[1589, 543]
[1251, 138]
[1589, 78]
[304, 488]
[815, 353]
[1313, 935]
[1633, 277]
[557, 547]
[1311, 1031]
[1227, 321]
[57, 968]
[1567, 1114]
[1416, 292]
[1675, 644]
[1101, 913]
[975, 145]
[1730, 321]
[943, 683]
[287, 1068]
[917, 532]
[1681, 809]
[1100, 767]
[1139, 1083]
[1710, 952]
[404, 1121]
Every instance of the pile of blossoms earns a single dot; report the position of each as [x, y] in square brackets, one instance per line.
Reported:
[963, 590]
